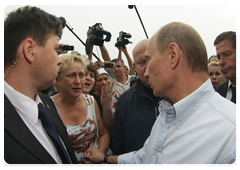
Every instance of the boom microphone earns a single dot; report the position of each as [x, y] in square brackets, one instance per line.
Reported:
[63, 21]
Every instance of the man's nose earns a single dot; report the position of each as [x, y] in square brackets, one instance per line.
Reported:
[146, 73]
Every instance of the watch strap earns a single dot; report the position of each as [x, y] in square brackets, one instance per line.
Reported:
[106, 157]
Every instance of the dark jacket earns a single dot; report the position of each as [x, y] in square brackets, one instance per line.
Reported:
[134, 117]
[21, 146]
[222, 89]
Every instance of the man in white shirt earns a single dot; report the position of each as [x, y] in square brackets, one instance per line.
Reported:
[31, 64]
[196, 125]
[226, 52]
[121, 81]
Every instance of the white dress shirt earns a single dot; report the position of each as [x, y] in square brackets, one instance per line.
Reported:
[229, 90]
[199, 129]
[28, 111]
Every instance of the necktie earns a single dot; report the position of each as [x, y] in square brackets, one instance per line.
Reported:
[52, 132]
[233, 94]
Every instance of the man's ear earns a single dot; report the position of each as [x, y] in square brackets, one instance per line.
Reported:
[28, 49]
[174, 52]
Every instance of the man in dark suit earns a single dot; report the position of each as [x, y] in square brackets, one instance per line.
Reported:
[226, 52]
[31, 64]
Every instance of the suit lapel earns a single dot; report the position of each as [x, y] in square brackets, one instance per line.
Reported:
[14, 125]
[57, 121]
[223, 91]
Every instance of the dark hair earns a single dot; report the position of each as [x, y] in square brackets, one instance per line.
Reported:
[228, 35]
[93, 68]
[118, 59]
[28, 22]
[211, 57]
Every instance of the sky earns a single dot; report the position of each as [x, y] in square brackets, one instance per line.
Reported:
[209, 20]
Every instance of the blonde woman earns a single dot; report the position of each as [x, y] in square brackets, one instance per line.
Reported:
[79, 112]
[215, 74]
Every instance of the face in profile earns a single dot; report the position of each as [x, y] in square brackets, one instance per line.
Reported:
[158, 69]
[215, 74]
[227, 59]
[48, 62]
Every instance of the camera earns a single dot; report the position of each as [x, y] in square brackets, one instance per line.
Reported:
[68, 48]
[109, 65]
[122, 41]
[98, 33]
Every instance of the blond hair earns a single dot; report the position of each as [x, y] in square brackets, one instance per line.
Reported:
[67, 62]
[213, 63]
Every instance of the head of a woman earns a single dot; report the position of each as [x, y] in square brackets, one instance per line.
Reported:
[71, 77]
[90, 78]
[215, 74]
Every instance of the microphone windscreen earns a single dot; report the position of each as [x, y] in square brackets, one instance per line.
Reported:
[130, 6]
[63, 21]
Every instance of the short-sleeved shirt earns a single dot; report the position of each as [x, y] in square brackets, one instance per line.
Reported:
[121, 88]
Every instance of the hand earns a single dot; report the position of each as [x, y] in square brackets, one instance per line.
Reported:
[108, 69]
[94, 155]
[106, 94]
[60, 49]
[124, 49]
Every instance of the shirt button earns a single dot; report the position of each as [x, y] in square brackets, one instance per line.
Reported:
[179, 123]
[156, 154]
[169, 127]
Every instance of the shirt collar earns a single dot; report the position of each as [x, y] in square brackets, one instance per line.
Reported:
[128, 80]
[230, 83]
[185, 107]
[24, 104]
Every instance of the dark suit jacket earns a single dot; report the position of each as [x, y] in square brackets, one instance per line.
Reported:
[222, 89]
[21, 146]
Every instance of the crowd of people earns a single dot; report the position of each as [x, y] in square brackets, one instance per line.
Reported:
[171, 104]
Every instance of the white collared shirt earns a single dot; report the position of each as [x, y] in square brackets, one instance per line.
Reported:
[199, 129]
[229, 90]
[28, 111]
[121, 88]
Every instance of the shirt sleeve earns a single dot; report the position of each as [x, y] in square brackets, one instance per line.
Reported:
[135, 157]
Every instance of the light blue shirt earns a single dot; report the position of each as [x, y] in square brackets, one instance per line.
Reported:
[199, 129]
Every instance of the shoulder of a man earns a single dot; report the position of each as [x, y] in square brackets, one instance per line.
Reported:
[224, 107]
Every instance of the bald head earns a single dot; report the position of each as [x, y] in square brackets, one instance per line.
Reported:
[140, 60]
[140, 47]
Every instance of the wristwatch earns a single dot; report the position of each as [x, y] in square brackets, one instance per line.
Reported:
[106, 157]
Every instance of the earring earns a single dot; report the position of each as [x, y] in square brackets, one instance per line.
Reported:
[31, 52]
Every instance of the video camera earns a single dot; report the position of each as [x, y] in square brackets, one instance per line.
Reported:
[121, 41]
[97, 31]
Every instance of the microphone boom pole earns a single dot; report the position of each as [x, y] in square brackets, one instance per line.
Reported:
[71, 29]
[131, 6]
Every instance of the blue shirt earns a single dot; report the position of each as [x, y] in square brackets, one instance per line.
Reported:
[199, 129]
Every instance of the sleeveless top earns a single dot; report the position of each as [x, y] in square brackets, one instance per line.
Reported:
[82, 136]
